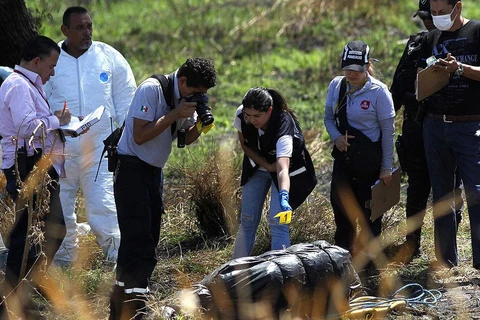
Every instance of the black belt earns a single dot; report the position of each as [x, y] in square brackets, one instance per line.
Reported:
[449, 118]
[135, 160]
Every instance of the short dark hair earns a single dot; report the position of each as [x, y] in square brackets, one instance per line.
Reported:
[71, 10]
[39, 46]
[199, 72]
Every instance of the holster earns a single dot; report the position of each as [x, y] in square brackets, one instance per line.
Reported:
[22, 162]
[422, 110]
[112, 157]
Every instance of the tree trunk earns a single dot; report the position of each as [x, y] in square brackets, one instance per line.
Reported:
[16, 28]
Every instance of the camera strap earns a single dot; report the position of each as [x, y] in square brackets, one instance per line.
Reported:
[166, 82]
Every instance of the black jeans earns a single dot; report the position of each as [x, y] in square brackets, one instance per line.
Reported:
[349, 198]
[419, 185]
[54, 228]
[138, 198]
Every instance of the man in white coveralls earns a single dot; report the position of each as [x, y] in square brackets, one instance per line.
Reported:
[89, 74]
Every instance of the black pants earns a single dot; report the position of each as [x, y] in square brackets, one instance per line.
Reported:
[419, 186]
[138, 197]
[54, 230]
[349, 197]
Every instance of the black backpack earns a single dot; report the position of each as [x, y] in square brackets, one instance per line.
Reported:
[111, 142]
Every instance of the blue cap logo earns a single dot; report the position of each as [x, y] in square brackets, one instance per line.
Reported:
[103, 77]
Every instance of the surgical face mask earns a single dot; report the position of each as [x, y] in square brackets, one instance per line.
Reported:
[444, 22]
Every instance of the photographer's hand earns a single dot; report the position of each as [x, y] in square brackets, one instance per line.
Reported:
[185, 109]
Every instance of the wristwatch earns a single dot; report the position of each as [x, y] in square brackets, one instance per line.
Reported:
[459, 70]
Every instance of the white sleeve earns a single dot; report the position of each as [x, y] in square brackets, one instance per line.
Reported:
[237, 123]
[123, 86]
[285, 147]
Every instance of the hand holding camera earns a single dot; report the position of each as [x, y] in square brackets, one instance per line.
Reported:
[205, 117]
[202, 108]
[185, 109]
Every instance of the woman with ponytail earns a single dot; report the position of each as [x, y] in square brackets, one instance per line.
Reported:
[275, 159]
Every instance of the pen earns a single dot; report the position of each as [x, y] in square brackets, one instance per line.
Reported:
[64, 107]
[346, 138]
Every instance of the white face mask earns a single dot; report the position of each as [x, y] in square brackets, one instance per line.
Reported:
[444, 22]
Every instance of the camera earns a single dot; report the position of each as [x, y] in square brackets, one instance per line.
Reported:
[203, 111]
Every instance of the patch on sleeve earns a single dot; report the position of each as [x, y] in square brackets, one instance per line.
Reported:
[144, 109]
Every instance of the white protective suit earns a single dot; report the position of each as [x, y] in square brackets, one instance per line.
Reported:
[101, 76]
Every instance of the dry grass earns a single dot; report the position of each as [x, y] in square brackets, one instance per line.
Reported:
[187, 254]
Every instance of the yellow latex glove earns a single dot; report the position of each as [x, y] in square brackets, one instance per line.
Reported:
[285, 217]
[202, 129]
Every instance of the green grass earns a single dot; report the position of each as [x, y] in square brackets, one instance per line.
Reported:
[294, 46]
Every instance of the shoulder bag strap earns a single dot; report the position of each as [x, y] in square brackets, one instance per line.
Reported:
[341, 107]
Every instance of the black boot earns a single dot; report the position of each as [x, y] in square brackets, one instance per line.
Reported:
[116, 303]
[408, 250]
[134, 306]
[413, 242]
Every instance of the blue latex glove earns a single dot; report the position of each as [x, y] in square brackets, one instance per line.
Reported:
[285, 215]
[283, 198]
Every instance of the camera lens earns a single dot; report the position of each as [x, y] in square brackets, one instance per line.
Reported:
[203, 111]
[204, 114]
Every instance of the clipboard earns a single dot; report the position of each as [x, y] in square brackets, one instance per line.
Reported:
[430, 81]
[385, 197]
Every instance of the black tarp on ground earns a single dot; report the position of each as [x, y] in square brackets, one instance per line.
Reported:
[309, 280]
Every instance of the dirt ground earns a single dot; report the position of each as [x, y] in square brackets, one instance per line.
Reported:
[459, 288]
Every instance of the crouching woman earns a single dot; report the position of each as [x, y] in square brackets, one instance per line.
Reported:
[275, 159]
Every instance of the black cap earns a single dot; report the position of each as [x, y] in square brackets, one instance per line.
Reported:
[356, 55]
[423, 11]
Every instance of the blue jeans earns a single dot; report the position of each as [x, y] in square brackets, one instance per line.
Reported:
[448, 146]
[3, 255]
[253, 198]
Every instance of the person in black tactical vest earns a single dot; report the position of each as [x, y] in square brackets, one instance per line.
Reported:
[275, 159]
[152, 123]
[410, 149]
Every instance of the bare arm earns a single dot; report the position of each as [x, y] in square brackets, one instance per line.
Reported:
[283, 165]
[257, 158]
[192, 135]
[144, 130]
